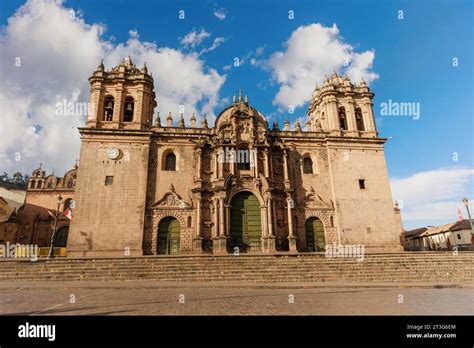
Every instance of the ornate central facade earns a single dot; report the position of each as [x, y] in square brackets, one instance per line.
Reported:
[149, 186]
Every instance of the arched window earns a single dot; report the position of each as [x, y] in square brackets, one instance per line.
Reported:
[128, 112]
[359, 120]
[109, 108]
[33, 184]
[50, 184]
[342, 119]
[170, 162]
[71, 183]
[307, 165]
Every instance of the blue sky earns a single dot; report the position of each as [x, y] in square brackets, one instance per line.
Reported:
[412, 57]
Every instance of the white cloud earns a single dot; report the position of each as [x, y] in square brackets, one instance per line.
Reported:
[260, 50]
[194, 38]
[312, 52]
[220, 14]
[216, 43]
[55, 66]
[432, 197]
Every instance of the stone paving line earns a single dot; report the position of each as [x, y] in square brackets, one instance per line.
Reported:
[122, 284]
[51, 298]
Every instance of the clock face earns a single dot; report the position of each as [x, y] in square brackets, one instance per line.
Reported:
[112, 153]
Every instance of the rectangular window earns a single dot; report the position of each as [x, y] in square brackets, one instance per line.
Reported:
[109, 180]
[459, 236]
[362, 184]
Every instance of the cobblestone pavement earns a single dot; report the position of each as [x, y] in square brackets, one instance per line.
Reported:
[157, 298]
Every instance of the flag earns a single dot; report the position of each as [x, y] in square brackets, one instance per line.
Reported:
[460, 216]
[68, 213]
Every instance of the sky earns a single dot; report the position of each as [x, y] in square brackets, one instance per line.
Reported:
[202, 53]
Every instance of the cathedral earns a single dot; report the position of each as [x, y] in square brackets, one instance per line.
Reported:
[148, 185]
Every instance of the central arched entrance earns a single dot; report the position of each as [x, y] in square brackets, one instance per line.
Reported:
[245, 223]
[315, 239]
[168, 236]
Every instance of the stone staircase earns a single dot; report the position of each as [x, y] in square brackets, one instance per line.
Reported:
[415, 267]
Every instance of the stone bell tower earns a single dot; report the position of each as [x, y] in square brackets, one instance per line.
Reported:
[342, 108]
[121, 98]
[113, 172]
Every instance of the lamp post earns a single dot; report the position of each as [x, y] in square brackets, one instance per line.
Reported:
[51, 248]
[466, 204]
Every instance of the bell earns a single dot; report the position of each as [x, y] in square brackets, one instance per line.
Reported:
[129, 107]
[109, 105]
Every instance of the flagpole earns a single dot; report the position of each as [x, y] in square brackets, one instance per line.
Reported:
[51, 248]
[466, 203]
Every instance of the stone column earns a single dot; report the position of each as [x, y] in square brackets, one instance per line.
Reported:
[199, 160]
[269, 216]
[213, 167]
[118, 104]
[98, 106]
[197, 241]
[369, 121]
[215, 218]
[285, 170]
[216, 166]
[220, 163]
[221, 217]
[232, 161]
[269, 239]
[219, 240]
[267, 165]
[263, 216]
[285, 164]
[291, 234]
[227, 219]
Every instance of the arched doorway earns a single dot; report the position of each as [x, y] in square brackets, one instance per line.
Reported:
[60, 239]
[245, 223]
[168, 236]
[315, 239]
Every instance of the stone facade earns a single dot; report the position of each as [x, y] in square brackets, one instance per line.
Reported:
[34, 216]
[147, 187]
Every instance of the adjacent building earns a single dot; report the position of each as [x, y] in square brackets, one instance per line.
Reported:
[456, 235]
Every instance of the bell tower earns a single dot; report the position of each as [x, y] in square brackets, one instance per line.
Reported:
[341, 108]
[122, 98]
[111, 185]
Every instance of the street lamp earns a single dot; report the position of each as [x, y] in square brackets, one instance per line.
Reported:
[51, 248]
[466, 204]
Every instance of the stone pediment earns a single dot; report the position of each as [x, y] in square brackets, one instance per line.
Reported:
[315, 201]
[171, 200]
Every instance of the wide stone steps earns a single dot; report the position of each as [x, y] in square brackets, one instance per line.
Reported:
[399, 267]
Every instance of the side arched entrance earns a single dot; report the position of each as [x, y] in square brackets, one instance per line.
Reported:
[245, 223]
[315, 239]
[168, 236]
